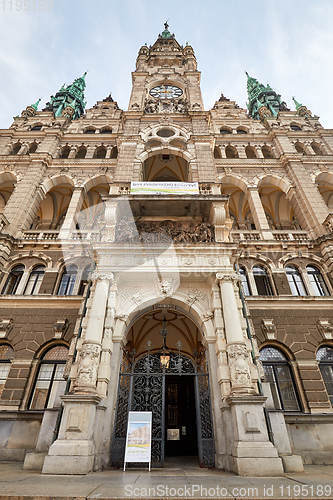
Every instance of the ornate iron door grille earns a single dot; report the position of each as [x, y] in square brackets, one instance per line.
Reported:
[142, 388]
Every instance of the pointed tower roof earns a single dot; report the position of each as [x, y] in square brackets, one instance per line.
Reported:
[263, 96]
[70, 96]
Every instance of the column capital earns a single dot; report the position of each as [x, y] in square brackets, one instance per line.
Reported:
[229, 277]
[101, 275]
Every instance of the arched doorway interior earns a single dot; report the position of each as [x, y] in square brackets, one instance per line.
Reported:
[177, 392]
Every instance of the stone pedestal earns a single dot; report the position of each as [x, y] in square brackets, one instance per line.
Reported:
[74, 450]
[250, 453]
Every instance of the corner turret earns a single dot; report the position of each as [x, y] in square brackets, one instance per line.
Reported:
[69, 101]
[263, 101]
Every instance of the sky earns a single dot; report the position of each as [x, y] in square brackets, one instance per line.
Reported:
[286, 43]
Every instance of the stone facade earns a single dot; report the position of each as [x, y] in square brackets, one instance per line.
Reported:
[86, 265]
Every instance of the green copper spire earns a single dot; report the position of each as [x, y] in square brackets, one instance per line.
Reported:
[263, 100]
[297, 104]
[166, 33]
[71, 96]
[35, 106]
[301, 109]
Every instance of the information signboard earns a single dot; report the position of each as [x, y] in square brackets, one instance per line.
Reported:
[138, 438]
[169, 188]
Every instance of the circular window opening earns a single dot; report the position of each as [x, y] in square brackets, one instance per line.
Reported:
[165, 132]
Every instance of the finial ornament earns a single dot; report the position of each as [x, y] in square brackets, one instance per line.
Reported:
[166, 26]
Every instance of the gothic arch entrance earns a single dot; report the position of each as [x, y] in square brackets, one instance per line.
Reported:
[177, 393]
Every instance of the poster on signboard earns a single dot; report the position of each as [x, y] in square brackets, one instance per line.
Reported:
[168, 188]
[138, 438]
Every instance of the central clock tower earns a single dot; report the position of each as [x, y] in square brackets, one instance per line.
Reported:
[166, 78]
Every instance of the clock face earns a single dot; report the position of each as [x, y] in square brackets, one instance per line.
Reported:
[166, 92]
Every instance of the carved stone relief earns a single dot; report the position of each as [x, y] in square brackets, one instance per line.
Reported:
[88, 365]
[164, 232]
[239, 365]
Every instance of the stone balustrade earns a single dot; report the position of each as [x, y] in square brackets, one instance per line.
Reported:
[278, 235]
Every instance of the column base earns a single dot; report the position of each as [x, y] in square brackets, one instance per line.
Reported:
[292, 463]
[34, 460]
[70, 457]
[256, 459]
[250, 453]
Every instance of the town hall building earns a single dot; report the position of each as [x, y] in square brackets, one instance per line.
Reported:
[170, 259]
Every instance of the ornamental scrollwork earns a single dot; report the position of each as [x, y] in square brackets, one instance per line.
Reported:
[228, 277]
[100, 276]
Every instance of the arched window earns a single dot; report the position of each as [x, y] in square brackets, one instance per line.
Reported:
[241, 131]
[217, 153]
[250, 152]
[34, 281]
[317, 281]
[90, 131]
[50, 383]
[244, 282]
[85, 277]
[295, 281]
[100, 152]
[65, 152]
[262, 281]
[81, 152]
[225, 131]
[67, 281]
[300, 148]
[114, 153]
[267, 152]
[325, 358]
[106, 130]
[35, 128]
[231, 152]
[13, 280]
[295, 128]
[278, 374]
[6, 356]
[316, 148]
[16, 148]
[33, 147]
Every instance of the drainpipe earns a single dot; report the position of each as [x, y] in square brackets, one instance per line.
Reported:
[60, 412]
[254, 359]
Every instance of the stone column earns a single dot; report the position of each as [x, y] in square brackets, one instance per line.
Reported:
[218, 217]
[74, 451]
[89, 354]
[249, 451]
[309, 206]
[239, 361]
[258, 212]
[72, 210]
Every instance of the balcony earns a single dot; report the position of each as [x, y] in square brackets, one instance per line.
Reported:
[287, 235]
